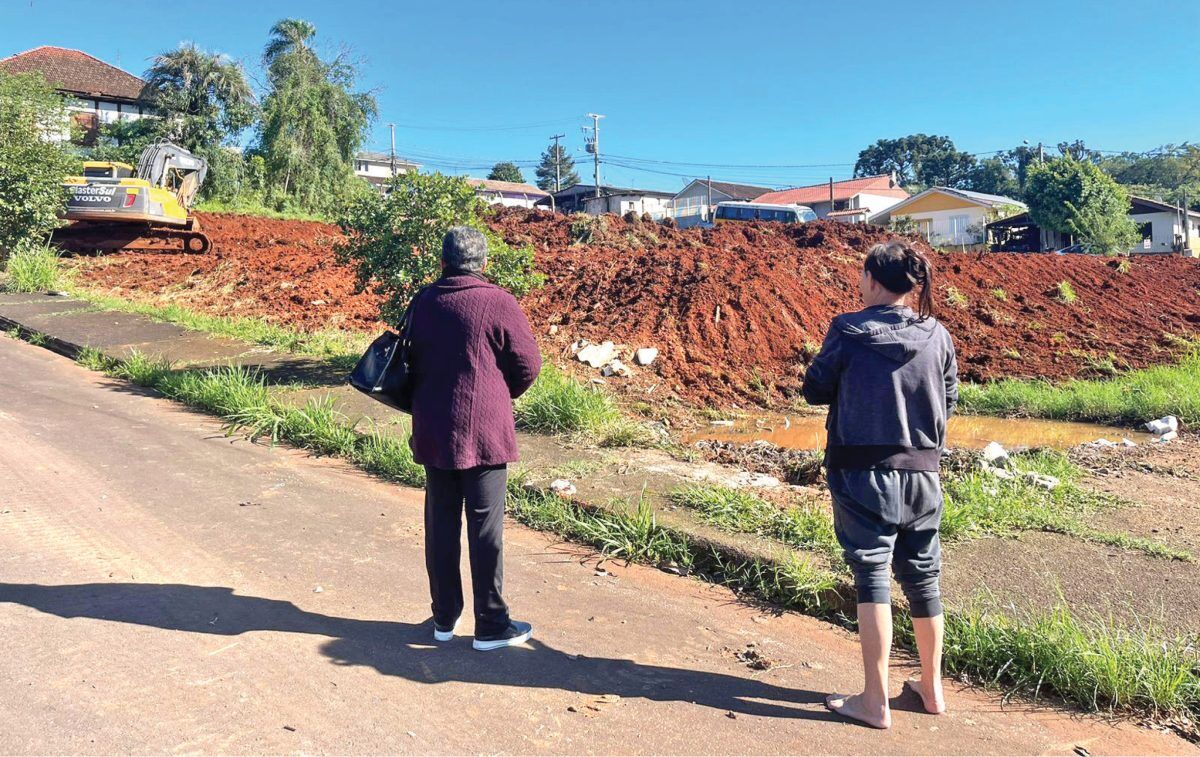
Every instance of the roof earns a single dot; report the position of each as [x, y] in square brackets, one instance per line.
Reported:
[1156, 206]
[979, 198]
[730, 189]
[507, 187]
[842, 190]
[384, 157]
[76, 72]
[611, 191]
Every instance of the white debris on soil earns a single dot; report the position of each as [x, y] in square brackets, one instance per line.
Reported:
[596, 355]
[563, 487]
[754, 480]
[1163, 425]
[1047, 482]
[616, 368]
[1168, 436]
[1126, 442]
[645, 355]
[995, 454]
[720, 423]
[1102, 442]
[553, 329]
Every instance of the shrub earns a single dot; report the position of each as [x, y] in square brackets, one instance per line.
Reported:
[32, 267]
[395, 240]
[33, 163]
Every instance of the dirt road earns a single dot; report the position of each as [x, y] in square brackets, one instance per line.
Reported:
[164, 588]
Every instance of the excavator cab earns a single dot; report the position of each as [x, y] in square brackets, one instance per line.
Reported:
[114, 207]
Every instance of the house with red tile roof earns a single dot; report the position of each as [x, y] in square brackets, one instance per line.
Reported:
[510, 194]
[97, 92]
[851, 200]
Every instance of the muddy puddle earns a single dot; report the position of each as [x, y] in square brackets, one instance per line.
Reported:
[968, 431]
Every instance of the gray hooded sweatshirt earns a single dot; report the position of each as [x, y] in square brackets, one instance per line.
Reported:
[891, 382]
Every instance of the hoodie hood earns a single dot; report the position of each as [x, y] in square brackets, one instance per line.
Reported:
[894, 332]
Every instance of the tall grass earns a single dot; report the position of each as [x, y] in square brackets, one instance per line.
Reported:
[1096, 665]
[557, 403]
[737, 511]
[1132, 397]
[33, 268]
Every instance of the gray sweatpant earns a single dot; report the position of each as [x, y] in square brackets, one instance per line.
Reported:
[883, 516]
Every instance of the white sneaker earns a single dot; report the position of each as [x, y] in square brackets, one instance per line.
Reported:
[447, 634]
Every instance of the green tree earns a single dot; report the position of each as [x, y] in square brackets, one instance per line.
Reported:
[1076, 197]
[567, 177]
[993, 176]
[33, 160]
[918, 160]
[395, 239]
[123, 141]
[203, 97]
[313, 121]
[506, 171]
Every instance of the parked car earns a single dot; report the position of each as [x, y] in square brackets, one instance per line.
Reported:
[1083, 248]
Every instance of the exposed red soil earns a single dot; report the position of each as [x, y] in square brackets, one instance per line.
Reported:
[776, 287]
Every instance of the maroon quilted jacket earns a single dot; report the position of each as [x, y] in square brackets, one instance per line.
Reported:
[473, 353]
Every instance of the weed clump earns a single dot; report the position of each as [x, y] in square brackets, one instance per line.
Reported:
[33, 268]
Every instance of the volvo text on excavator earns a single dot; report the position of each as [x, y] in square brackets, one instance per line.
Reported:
[114, 208]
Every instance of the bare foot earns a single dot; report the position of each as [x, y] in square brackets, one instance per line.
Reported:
[855, 708]
[934, 703]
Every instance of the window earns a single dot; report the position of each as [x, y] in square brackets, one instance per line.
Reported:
[958, 228]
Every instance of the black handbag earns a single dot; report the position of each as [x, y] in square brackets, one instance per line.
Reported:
[384, 372]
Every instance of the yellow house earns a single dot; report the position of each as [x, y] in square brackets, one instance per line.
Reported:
[947, 216]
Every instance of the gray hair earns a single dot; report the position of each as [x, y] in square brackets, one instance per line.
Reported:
[465, 248]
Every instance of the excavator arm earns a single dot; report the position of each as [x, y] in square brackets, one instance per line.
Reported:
[174, 169]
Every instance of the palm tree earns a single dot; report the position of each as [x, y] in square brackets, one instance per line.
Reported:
[203, 96]
[289, 36]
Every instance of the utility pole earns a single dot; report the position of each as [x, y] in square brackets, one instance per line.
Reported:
[594, 148]
[1041, 159]
[393, 128]
[557, 166]
[709, 203]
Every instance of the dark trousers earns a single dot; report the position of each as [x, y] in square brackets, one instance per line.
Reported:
[483, 490]
[891, 516]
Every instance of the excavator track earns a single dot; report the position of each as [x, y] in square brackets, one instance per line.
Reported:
[95, 237]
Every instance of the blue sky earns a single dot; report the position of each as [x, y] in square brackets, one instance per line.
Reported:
[798, 86]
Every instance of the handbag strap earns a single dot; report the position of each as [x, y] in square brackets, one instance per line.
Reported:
[406, 326]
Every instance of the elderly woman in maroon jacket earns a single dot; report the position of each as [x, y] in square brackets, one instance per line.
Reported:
[472, 354]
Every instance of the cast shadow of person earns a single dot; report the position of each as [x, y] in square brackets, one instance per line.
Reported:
[406, 649]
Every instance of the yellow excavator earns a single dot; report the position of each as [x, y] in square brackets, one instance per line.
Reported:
[114, 208]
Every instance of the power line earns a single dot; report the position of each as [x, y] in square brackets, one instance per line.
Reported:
[514, 127]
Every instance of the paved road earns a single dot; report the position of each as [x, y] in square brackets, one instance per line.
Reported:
[164, 588]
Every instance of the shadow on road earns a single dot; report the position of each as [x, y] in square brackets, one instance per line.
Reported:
[406, 649]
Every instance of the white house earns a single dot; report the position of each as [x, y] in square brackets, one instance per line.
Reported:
[510, 194]
[947, 216]
[694, 203]
[582, 198]
[96, 92]
[851, 200]
[377, 167]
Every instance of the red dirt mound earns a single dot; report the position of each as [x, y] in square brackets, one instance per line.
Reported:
[735, 311]
[281, 270]
[739, 309]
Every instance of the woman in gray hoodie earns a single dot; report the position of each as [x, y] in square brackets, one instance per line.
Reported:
[890, 379]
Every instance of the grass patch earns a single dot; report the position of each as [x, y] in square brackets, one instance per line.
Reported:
[1065, 293]
[256, 208]
[241, 397]
[335, 344]
[1095, 665]
[980, 504]
[737, 511]
[33, 268]
[1130, 397]
[557, 404]
[955, 298]
[633, 533]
